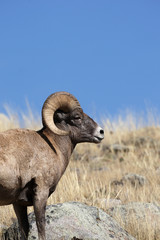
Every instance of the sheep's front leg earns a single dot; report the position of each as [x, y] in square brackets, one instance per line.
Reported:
[40, 201]
[21, 213]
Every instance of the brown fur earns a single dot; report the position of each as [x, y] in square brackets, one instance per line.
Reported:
[32, 163]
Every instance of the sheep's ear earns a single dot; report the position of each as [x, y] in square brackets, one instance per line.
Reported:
[60, 116]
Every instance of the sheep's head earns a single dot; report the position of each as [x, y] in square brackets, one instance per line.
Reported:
[63, 115]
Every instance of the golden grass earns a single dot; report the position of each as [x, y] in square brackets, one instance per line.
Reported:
[93, 168]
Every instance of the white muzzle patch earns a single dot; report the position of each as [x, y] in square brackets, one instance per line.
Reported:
[99, 134]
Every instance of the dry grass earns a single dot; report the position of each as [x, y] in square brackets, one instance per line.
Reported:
[94, 168]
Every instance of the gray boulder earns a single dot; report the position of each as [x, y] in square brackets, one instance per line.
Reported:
[108, 203]
[116, 148]
[2, 229]
[74, 220]
[134, 179]
[145, 141]
[144, 217]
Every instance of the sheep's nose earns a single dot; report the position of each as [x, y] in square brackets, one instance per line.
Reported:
[99, 133]
[102, 131]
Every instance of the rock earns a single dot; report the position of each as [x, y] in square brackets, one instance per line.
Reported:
[117, 183]
[145, 141]
[108, 203]
[134, 179]
[74, 220]
[101, 169]
[2, 229]
[144, 217]
[116, 148]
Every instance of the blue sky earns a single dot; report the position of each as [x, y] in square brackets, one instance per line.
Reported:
[106, 53]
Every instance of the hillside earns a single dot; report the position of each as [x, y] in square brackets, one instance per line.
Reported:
[124, 168]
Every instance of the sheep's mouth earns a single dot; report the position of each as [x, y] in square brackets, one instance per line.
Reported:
[98, 139]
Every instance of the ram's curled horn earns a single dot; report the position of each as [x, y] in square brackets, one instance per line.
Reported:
[59, 100]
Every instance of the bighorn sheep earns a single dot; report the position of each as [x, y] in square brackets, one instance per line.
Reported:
[32, 162]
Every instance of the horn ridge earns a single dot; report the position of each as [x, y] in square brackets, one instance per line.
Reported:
[59, 100]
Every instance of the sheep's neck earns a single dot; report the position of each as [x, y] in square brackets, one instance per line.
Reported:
[61, 145]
